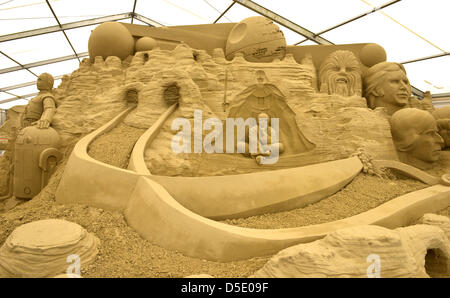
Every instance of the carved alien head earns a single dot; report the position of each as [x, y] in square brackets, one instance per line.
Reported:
[45, 82]
[386, 85]
[415, 135]
[340, 73]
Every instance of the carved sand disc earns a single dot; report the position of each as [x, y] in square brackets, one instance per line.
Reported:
[41, 248]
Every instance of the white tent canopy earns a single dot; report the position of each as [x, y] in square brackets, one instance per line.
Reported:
[52, 36]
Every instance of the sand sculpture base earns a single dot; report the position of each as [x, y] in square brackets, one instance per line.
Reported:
[41, 249]
[414, 251]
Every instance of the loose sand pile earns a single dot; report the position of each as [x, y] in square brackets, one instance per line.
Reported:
[362, 194]
[115, 146]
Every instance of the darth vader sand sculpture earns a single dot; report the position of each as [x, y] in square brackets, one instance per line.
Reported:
[265, 97]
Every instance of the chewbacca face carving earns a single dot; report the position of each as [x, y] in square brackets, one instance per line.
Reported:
[340, 74]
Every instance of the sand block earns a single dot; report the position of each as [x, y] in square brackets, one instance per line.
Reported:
[46, 248]
[366, 251]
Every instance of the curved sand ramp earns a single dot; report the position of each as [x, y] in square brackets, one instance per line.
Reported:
[234, 196]
[159, 218]
[88, 181]
[411, 172]
[213, 197]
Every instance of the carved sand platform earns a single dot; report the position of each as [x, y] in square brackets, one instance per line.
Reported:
[41, 248]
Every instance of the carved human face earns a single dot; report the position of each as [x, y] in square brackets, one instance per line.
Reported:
[43, 83]
[427, 146]
[341, 73]
[396, 90]
[260, 77]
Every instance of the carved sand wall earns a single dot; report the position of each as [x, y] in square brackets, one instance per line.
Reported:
[97, 91]
[337, 125]
[351, 252]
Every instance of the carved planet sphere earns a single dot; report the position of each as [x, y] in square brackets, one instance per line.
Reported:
[372, 54]
[258, 38]
[145, 44]
[111, 39]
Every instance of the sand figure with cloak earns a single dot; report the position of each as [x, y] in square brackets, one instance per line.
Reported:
[265, 97]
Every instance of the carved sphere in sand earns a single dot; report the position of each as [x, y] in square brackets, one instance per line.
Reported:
[145, 44]
[372, 54]
[111, 39]
[258, 38]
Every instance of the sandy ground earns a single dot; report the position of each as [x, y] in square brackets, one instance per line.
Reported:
[115, 147]
[362, 194]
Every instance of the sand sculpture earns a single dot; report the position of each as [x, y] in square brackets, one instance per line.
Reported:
[268, 140]
[442, 116]
[387, 86]
[265, 100]
[416, 137]
[40, 109]
[41, 249]
[340, 73]
[362, 251]
[259, 39]
[139, 81]
[33, 152]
